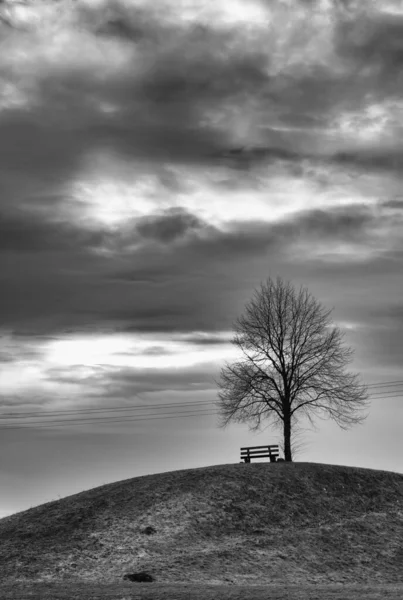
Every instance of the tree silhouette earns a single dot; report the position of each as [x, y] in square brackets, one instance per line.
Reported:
[293, 364]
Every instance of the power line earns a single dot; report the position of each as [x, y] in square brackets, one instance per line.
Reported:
[385, 388]
[387, 383]
[202, 404]
[101, 409]
[386, 397]
[111, 420]
[386, 394]
[99, 419]
[108, 420]
[139, 407]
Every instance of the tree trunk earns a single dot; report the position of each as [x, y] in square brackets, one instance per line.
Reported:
[287, 437]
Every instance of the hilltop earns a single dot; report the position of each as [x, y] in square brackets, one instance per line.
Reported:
[240, 523]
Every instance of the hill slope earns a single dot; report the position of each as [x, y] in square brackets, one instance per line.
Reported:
[258, 522]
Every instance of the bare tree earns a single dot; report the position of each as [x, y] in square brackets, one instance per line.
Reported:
[293, 364]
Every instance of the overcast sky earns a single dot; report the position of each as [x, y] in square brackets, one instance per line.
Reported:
[157, 161]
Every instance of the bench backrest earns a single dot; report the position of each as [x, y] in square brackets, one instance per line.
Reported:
[260, 451]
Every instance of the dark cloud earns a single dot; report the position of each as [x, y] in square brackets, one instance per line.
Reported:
[251, 238]
[126, 382]
[374, 39]
[41, 292]
[15, 348]
[6, 357]
[396, 203]
[205, 339]
[183, 287]
[159, 106]
[231, 253]
[122, 24]
[24, 232]
[157, 350]
[182, 306]
[346, 222]
[374, 159]
[167, 227]
[37, 143]
[77, 375]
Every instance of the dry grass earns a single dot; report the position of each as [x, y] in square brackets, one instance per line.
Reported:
[231, 524]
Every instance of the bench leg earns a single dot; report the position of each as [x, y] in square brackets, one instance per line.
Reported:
[272, 459]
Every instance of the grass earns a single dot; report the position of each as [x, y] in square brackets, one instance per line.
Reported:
[311, 525]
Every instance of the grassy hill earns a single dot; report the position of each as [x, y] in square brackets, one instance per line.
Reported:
[241, 523]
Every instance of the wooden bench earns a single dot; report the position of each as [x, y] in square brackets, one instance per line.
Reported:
[270, 451]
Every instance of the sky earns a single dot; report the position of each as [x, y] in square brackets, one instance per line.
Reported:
[158, 160]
